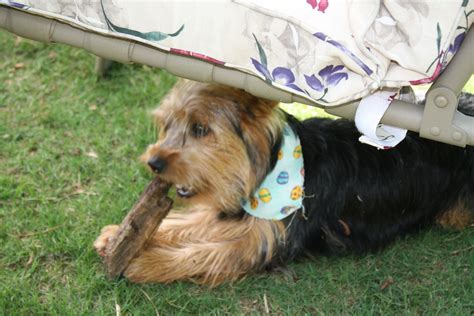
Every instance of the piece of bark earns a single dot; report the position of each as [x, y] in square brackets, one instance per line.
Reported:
[137, 227]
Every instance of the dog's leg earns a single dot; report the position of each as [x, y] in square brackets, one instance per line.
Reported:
[106, 234]
[458, 217]
[201, 247]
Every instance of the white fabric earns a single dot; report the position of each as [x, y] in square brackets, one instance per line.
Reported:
[328, 51]
[367, 119]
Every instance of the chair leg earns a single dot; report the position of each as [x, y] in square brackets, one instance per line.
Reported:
[102, 65]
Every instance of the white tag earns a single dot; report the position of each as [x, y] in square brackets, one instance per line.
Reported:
[367, 119]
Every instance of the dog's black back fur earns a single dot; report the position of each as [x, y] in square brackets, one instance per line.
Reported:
[358, 198]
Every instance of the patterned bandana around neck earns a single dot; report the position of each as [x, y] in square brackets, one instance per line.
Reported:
[281, 193]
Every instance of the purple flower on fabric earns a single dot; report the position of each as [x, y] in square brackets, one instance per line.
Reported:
[15, 4]
[280, 75]
[329, 76]
[327, 39]
[261, 69]
[454, 47]
[285, 77]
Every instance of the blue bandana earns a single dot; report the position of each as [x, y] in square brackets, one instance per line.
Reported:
[281, 193]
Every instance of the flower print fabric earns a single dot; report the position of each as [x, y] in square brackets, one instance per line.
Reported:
[324, 51]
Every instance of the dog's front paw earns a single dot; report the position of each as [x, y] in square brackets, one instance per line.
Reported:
[106, 235]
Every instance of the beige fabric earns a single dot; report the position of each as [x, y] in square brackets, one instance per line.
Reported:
[329, 51]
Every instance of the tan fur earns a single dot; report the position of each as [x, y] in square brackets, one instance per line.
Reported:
[201, 248]
[107, 233]
[216, 165]
[211, 241]
[200, 244]
[458, 217]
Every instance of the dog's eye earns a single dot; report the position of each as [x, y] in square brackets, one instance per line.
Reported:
[199, 130]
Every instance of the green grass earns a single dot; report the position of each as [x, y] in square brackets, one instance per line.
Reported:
[469, 87]
[68, 166]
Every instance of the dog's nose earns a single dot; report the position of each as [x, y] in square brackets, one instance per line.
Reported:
[157, 164]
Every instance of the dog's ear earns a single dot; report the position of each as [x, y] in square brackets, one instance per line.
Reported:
[258, 109]
[261, 126]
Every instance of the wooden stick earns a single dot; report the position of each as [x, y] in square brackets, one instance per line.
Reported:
[137, 227]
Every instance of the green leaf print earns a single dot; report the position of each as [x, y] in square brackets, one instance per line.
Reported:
[150, 36]
[261, 52]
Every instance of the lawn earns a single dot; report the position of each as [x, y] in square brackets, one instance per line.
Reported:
[68, 166]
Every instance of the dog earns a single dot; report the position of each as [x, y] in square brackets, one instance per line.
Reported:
[219, 144]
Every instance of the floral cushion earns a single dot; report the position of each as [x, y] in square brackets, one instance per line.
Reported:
[327, 51]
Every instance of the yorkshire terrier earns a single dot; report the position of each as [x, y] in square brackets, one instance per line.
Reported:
[263, 188]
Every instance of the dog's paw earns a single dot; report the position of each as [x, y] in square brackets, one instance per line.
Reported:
[106, 235]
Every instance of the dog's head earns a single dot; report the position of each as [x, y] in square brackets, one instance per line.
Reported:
[214, 142]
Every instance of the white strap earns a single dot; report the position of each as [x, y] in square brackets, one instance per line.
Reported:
[367, 119]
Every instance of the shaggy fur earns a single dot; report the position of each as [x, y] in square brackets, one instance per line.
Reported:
[218, 143]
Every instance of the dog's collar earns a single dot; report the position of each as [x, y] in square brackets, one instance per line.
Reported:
[281, 193]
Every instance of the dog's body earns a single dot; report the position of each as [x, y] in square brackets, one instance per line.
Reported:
[217, 144]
